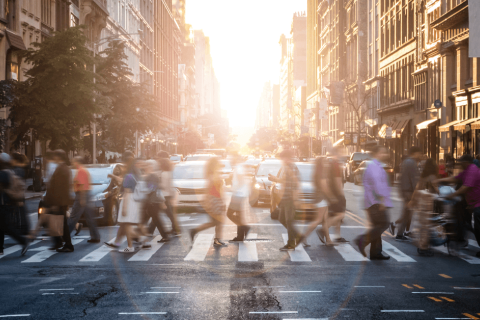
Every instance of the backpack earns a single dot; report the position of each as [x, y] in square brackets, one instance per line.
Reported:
[16, 188]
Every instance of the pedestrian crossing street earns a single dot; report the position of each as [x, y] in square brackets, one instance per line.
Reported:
[202, 248]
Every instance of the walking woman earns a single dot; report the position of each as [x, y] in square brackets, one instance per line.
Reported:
[166, 185]
[214, 204]
[322, 206]
[239, 205]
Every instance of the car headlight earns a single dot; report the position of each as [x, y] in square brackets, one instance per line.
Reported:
[41, 210]
[257, 186]
[101, 196]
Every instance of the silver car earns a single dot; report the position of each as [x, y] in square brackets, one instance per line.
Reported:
[190, 183]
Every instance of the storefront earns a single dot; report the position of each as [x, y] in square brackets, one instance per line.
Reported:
[399, 141]
[428, 138]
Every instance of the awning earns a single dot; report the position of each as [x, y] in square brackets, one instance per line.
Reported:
[15, 40]
[446, 127]
[339, 142]
[461, 125]
[475, 125]
[382, 133]
[425, 124]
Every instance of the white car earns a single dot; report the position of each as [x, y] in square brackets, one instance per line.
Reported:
[190, 183]
[199, 157]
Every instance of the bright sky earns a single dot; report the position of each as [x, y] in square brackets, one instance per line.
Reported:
[244, 39]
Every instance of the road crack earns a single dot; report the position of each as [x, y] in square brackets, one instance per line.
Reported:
[96, 298]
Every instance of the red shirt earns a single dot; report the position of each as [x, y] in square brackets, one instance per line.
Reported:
[81, 182]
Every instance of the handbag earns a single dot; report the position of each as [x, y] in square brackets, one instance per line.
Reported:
[53, 223]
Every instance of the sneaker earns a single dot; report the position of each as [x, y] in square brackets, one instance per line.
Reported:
[111, 245]
[392, 228]
[402, 238]
[218, 243]
[340, 240]
[127, 250]
[78, 228]
[287, 248]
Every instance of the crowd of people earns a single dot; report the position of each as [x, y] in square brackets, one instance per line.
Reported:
[148, 193]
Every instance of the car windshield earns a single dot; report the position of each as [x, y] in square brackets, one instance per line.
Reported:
[227, 165]
[175, 158]
[264, 169]
[99, 175]
[189, 172]
[306, 172]
[361, 156]
[198, 158]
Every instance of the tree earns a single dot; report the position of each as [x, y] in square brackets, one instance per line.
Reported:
[266, 138]
[356, 101]
[59, 98]
[131, 106]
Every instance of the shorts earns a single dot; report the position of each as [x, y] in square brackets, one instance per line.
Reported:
[322, 204]
[339, 206]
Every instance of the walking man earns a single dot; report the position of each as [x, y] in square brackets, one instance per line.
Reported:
[82, 204]
[377, 200]
[408, 182]
[289, 181]
[57, 198]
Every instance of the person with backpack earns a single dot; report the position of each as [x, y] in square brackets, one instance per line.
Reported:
[57, 198]
[10, 195]
[82, 203]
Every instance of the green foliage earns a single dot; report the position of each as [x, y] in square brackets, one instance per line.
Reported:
[58, 98]
[266, 138]
[131, 107]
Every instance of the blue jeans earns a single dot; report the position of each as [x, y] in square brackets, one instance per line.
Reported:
[78, 210]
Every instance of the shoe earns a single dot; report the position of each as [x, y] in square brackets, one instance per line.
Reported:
[65, 249]
[111, 245]
[24, 249]
[360, 246]
[163, 240]
[402, 238]
[392, 228]
[192, 234]
[380, 256]
[146, 245]
[287, 248]
[340, 240]
[218, 243]
[93, 240]
[127, 250]
[236, 239]
[78, 228]
[321, 235]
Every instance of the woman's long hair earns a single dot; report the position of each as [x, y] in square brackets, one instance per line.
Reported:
[165, 164]
[430, 168]
[318, 172]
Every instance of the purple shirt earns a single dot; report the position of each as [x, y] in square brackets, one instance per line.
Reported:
[375, 182]
[471, 178]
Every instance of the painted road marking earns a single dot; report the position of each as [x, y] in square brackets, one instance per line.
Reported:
[248, 251]
[445, 276]
[42, 248]
[395, 253]
[44, 255]
[145, 255]
[460, 288]
[403, 310]
[349, 253]
[69, 289]
[99, 253]
[268, 312]
[299, 255]
[469, 315]
[133, 313]
[159, 292]
[435, 299]
[469, 259]
[14, 315]
[435, 292]
[200, 248]
[419, 287]
[369, 286]
[407, 286]
[300, 291]
[165, 287]
[269, 287]
[447, 299]
[16, 248]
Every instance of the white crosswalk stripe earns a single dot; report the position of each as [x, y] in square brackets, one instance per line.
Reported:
[395, 253]
[43, 255]
[16, 248]
[145, 255]
[99, 253]
[200, 247]
[348, 253]
[299, 255]
[467, 258]
[247, 251]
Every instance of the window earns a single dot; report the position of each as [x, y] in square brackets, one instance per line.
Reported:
[73, 20]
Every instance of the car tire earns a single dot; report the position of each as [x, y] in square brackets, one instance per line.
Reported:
[112, 217]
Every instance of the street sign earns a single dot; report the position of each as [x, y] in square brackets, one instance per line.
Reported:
[437, 104]
[389, 133]
[347, 139]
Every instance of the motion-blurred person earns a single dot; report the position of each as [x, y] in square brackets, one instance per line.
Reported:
[377, 200]
[337, 203]
[239, 205]
[408, 182]
[8, 205]
[19, 162]
[57, 199]
[290, 184]
[470, 178]
[320, 184]
[166, 185]
[82, 204]
[442, 169]
[422, 201]
[214, 203]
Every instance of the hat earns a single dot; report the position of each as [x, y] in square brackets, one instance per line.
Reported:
[4, 157]
[466, 158]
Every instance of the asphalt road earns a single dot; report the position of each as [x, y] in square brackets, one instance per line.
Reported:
[240, 281]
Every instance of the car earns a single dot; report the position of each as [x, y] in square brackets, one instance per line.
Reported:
[354, 161]
[199, 157]
[106, 195]
[305, 206]
[253, 162]
[226, 171]
[343, 163]
[190, 183]
[260, 184]
[360, 171]
[176, 158]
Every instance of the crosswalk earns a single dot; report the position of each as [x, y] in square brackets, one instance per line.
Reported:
[248, 251]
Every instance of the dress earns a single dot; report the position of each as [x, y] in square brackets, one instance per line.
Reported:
[131, 212]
